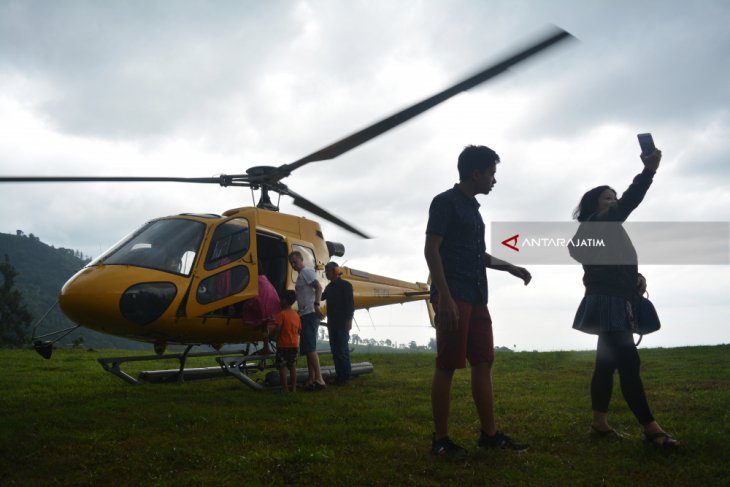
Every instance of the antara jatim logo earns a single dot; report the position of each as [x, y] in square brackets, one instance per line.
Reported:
[512, 243]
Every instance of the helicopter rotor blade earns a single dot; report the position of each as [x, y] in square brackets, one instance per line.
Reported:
[305, 204]
[223, 179]
[350, 142]
[269, 177]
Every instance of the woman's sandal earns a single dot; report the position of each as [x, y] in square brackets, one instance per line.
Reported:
[609, 433]
[666, 443]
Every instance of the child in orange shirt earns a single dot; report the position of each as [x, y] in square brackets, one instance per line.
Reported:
[287, 344]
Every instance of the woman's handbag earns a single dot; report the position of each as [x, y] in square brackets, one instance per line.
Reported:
[646, 318]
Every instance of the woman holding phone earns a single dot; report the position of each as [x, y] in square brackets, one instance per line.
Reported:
[607, 311]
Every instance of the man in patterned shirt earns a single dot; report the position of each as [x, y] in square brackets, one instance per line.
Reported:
[457, 260]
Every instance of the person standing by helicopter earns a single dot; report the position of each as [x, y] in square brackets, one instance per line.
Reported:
[340, 311]
[309, 294]
[456, 255]
[288, 326]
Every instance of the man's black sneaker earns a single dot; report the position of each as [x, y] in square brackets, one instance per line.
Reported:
[445, 448]
[500, 440]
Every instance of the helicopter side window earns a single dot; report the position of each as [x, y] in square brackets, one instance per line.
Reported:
[168, 245]
[231, 241]
[224, 284]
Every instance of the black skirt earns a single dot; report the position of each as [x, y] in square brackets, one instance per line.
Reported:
[599, 313]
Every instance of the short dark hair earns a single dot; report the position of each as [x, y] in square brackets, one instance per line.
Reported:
[589, 203]
[475, 158]
[289, 297]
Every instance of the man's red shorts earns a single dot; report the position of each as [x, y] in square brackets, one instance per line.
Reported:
[473, 340]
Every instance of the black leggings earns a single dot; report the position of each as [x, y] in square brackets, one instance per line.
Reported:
[617, 351]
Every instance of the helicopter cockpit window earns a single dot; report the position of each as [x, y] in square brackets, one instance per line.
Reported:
[231, 241]
[168, 245]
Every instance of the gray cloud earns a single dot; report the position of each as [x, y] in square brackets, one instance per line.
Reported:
[132, 70]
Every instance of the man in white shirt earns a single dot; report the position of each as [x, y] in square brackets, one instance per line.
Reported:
[309, 293]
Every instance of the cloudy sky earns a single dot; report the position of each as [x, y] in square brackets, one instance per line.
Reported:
[193, 88]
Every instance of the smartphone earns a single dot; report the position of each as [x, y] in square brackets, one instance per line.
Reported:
[646, 142]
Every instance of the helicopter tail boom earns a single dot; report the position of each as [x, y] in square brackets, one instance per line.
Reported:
[372, 290]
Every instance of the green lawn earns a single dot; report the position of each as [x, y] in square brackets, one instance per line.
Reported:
[67, 422]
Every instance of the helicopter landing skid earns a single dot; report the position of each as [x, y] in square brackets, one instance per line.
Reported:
[238, 366]
[255, 362]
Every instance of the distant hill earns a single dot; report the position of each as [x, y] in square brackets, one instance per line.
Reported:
[42, 271]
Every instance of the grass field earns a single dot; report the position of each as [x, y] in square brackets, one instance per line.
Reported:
[67, 422]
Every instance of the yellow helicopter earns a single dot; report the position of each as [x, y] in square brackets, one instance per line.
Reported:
[184, 279]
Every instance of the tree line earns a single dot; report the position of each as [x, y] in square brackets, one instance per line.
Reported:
[73, 253]
[411, 346]
[15, 319]
[388, 343]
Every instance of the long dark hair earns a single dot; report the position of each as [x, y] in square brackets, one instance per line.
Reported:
[589, 203]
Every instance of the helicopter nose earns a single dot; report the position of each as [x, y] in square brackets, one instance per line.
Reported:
[113, 298]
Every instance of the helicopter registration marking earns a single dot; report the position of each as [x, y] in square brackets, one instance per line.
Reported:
[380, 292]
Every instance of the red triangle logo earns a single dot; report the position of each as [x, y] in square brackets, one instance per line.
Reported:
[512, 245]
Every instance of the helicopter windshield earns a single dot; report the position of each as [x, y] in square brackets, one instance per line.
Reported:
[168, 245]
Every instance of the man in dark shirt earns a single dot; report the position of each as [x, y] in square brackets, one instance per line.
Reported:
[340, 309]
[457, 259]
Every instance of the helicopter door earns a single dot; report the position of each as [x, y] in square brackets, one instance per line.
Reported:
[227, 275]
[272, 259]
